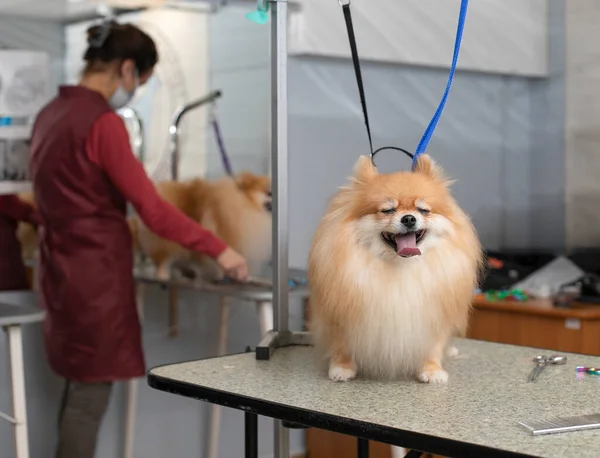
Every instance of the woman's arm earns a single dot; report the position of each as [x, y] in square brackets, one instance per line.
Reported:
[108, 147]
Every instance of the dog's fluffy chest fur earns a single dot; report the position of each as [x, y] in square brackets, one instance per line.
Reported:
[402, 309]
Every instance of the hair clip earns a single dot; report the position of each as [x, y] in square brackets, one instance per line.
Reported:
[98, 41]
[105, 26]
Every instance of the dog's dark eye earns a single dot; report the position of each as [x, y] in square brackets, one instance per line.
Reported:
[269, 194]
[424, 211]
[388, 211]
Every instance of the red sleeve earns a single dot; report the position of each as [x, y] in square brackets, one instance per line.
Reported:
[108, 146]
[15, 208]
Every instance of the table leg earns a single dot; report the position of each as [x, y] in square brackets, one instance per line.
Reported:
[251, 427]
[17, 379]
[282, 440]
[215, 410]
[130, 414]
[173, 311]
[362, 450]
[131, 388]
[397, 452]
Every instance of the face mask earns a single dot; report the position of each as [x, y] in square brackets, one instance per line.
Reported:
[121, 97]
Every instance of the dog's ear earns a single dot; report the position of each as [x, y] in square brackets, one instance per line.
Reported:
[245, 180]
[364, 169]
[427, 166]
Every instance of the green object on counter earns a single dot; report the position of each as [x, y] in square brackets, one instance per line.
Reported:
[507, 295]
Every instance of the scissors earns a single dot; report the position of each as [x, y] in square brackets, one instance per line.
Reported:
[542, 361]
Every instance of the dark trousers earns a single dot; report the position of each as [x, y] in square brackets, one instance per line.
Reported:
[80, 417]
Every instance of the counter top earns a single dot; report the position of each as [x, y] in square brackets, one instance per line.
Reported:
[475, 414]
[543, 307]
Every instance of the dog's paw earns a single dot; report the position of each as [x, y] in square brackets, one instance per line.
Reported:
[163, 273]
[435, 376]
[341, 374]
[452, 352]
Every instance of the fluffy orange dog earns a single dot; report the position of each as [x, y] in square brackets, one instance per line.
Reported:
[236, 209]
[392, 271]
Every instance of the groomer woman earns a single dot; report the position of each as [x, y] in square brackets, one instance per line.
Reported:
[84, 172]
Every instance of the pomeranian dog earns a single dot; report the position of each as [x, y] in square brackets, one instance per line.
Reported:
[237, 209]
[392, 271]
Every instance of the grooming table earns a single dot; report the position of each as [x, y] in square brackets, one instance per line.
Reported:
[18, 308]
[474, 415]
[260, 295]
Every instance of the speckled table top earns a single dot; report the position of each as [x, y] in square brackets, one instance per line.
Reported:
[475, 414]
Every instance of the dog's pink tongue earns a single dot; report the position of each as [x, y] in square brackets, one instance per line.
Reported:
[406, 244]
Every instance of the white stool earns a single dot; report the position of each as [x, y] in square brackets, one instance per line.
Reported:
[13, 314]
[131, 389]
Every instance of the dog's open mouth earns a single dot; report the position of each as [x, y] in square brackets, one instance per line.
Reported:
[405, 244]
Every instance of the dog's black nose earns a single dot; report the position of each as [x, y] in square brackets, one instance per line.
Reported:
[409, 221]
[268, 206]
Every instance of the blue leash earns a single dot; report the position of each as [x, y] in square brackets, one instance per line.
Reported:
[422, 146]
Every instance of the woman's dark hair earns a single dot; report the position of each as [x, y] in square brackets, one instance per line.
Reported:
[112, 41]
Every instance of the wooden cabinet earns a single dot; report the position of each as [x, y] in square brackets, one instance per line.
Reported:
[537, 324]
[532, 323]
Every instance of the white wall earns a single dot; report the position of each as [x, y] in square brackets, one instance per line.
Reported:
[35, 35]
[582, 127]
[181, 76]
[240, 68]
[507, 36]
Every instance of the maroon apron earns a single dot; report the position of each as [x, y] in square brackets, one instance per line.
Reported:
[12, 270]
[92, 329]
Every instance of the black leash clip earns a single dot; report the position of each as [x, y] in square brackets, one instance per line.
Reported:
[345, 4]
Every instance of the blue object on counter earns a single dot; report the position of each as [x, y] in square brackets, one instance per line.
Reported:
[296, 282]
[5, 121]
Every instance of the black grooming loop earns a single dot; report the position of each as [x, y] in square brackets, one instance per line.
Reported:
[359, 81]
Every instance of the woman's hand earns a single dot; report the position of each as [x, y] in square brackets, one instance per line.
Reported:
[233, 264]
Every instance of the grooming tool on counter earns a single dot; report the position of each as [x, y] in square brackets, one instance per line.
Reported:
[588, 370]
[561, 424]
[542, 361]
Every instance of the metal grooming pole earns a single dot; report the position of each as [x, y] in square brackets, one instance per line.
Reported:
[280, 336]
[174, 129]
